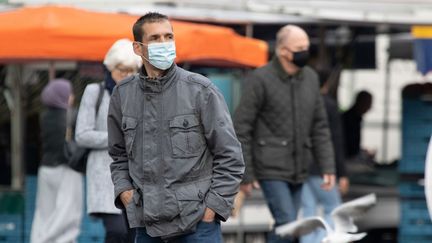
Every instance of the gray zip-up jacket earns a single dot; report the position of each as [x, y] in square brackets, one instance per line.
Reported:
[172, 141]
[282, 125]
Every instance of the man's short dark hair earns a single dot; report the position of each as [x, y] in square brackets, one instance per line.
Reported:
[151, 17]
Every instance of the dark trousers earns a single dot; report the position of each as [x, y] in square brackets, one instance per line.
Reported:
[205, 233]
[116, 228]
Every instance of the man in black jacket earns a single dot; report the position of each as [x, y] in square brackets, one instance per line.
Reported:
[282, 125]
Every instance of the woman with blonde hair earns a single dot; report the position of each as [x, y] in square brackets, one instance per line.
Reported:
[91, 132]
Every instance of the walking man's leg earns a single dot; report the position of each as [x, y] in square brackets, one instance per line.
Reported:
[309, 206]
[283, 200]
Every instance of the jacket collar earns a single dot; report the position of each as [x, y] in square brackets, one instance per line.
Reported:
[156, 85]
[283, 75]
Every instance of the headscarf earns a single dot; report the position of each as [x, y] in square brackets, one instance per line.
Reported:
[56, 93]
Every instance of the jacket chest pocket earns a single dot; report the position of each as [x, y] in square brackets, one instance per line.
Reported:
[129, 126]
[186, 136]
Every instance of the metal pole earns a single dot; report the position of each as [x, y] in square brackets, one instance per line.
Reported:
[240, 229]
[323, 63]
[387, 87]
[51, 71]
[14, 74]
[249, 30]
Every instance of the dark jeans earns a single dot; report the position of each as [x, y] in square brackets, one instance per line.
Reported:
[205, 232]
[283, 199]
[116, 228]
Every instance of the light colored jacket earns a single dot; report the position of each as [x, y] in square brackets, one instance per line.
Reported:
[91, 132]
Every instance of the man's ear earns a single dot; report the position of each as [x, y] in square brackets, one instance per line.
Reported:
[283, 51]
[138, 49]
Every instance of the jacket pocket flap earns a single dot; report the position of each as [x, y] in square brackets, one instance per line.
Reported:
[193, 192]
[187, 193]
[129, 123]
[273, 141]
[184, 121]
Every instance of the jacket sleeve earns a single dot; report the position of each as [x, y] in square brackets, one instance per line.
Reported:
[228, 165]
[117, 150]
[245, 119]
[321, 140]
[86, 134]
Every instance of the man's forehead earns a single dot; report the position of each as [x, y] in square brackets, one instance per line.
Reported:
[300, 41]
[296, 41]
[157, 28]
[297, 36]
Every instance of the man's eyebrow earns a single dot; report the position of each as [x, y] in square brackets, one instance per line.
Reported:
[162, 34]
[154, 35]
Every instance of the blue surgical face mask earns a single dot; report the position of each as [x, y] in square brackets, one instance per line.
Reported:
[161, 55]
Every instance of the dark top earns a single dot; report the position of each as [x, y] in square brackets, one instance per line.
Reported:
[336, 132]
[352, 132]
[282, 125]
[53, 130]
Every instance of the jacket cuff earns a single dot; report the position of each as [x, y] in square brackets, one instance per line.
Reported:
[248, 177]
[218, 204]
[121, 186]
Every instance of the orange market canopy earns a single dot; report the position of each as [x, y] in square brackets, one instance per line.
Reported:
[66, 33]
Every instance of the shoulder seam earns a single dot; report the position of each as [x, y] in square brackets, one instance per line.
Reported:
[126, 81]
[190, 79]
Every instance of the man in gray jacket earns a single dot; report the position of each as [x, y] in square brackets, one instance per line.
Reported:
[177, 163]
[282, 125]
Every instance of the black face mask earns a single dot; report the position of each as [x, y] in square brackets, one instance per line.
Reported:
[300, 58]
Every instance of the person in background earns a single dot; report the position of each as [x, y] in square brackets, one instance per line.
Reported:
[312, 194]
[5, 158]
[282, 125]
[59, 199]
[91, 132]
[359, 159]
